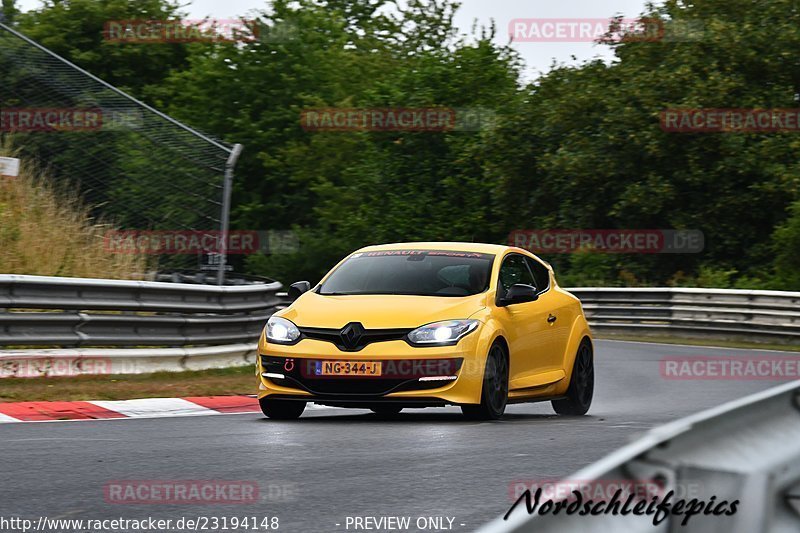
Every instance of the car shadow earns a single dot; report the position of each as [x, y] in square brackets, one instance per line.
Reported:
[334, 417]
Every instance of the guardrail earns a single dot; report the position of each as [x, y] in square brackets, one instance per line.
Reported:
[166, 322]
[761, 316]
[73, 313]
[747, 450]
[45, 292]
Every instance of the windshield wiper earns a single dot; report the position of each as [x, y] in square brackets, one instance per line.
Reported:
[338, 293]
[383, 294]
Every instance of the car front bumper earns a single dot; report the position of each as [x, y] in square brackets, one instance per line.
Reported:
[411, 376]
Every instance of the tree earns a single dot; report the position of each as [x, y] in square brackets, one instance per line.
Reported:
[580, 147]
[586, 149]
[342, 190]
[75, 30]
[9, 10]
[786, 246]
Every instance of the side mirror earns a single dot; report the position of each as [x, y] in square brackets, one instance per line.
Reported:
[298, 288]
[517, 294]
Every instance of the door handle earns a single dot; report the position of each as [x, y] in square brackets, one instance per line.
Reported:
[551, 319]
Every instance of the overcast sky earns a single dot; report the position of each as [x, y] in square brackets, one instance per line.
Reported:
[538, 55]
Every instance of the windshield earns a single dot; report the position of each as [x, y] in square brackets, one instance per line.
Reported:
[414, 272]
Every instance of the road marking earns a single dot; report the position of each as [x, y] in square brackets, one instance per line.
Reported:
[133, 409]
[38, 411]
[154, 407]
[6, 418]
[227, 404]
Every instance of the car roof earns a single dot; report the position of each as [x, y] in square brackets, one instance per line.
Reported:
[496, 249]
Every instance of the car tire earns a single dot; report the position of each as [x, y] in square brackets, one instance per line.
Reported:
[281, 409]
[386, 411]
[494, 392]
[581, 384]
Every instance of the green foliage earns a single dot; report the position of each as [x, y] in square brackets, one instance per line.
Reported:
[581, 147]
[345, 190]
[589, 269]
[708, 276]
[787, 251]
[75, 29]
[9, 10]
[586, 149]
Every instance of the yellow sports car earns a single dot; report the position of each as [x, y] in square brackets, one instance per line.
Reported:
[428, 324]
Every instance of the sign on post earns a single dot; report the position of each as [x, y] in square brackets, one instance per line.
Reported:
[9, 167]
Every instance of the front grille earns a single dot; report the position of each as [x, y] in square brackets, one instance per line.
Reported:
[367, 336]
[297, 375]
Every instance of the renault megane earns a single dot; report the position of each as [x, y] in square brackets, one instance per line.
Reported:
[428, 324]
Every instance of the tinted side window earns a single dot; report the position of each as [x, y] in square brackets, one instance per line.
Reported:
[514, 270]
[540, 274]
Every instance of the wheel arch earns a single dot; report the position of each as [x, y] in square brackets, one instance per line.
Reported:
[578, 333]
[504, 343]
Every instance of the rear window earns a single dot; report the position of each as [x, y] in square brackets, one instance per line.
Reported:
[412, 272]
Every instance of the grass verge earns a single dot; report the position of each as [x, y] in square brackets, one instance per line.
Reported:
[47, 230]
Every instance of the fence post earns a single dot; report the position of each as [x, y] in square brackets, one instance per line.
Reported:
[230, 164]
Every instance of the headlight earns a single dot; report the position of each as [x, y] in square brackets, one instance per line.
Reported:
[444, 333]
[281, 331]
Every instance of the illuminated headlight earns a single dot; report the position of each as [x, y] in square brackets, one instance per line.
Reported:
[281, 331]
[442, 333]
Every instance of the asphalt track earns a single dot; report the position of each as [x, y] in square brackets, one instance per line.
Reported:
[333, 463]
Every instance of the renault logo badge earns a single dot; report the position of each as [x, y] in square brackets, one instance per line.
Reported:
[351, 335]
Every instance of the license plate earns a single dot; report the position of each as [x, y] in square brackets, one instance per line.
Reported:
[347, 368]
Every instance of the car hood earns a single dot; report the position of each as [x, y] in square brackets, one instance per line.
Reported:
[379, 311]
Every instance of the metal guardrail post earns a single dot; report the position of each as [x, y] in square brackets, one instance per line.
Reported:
[225, 216]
